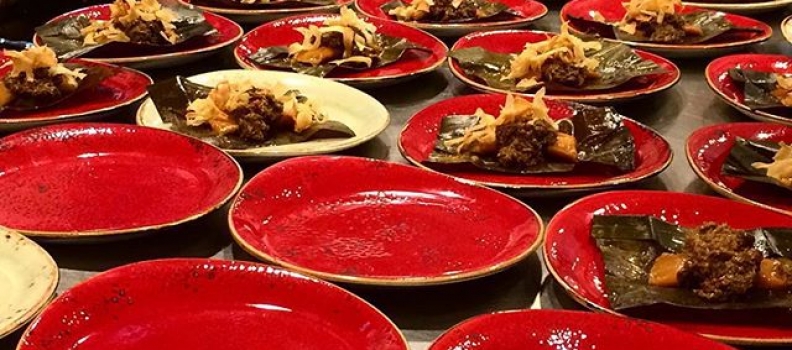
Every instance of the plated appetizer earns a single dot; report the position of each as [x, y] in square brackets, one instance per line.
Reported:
[260, 4]
[741, 7]
[446, 11]
[761, 161]
[262, 11]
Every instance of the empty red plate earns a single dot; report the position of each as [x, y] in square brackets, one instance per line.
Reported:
[209, 304]
[708, 148]
[573, 258]
[417, 139]
[566, 330]
[80, 180]
[367, 221]
[731, 92]
[281, 33]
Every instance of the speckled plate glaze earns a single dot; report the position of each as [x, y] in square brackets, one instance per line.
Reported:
[209, 304]
[566, 330]
[731, 92]
[366, 116]
[573, 258]
[613, 11]
[136, 56]
[262, 15]
[411, 65]
[708, 148]
[74, 181]
[121, 89]
[744, 8]
[529, 11]
[28, 277]
[417, 139]
[513, 41]
[366, 221]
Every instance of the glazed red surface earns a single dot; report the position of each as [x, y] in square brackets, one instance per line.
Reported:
[418, 138]
[227, 31]
[208, 304]
[574, 257]
[560, 330]
[122, 87]
[718, 76]
[529, 11]
[368, 218]
[281, 33]
[708, 148]
[514, 41]
[88, 177]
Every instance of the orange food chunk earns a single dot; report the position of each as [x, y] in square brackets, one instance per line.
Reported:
[665, 269]
[316, 56]
[772, 275]
[565, 147]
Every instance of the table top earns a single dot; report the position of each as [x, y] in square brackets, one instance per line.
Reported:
[423, 313]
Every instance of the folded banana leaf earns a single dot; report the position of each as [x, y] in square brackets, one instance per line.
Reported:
[261, 4]
[94, 75]
[278, 57]
[746, 152]
[485, 10]
[171, 97]
[602, 139]
[712, 24]
[630, 244]
[618, 65]
[758, 88]
[64, 37]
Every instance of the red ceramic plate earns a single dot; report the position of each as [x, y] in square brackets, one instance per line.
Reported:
[367, 221]
[139, 56]
[209, 304]
[574, 260]
[262, 15]
[412, 64]
[513, 41]
[731, 92]
[528, 10]
[613, 11]
[561, 330]
[708, 148]
[418, 137]
[89, 180]
[122, 88]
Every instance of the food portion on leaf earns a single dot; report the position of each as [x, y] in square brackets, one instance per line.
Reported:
[243, 114]
[445, 11]
[524, 139]
[36, 79]
[650, 261]
[760, 161]
[262, 4]
[562, 62]
[762, 90]
[346, 41]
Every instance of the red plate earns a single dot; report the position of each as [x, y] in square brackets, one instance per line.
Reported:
[513, 41]
[708, 148]
[561, 330]
[228, 32]
[209, 304]
[729, 91]
[122, 88]
[262, 15]
[613, 11]
[412, 64]
[529, 11]
[574, 260]
[417, 139]
[81, 180]
[367, 221]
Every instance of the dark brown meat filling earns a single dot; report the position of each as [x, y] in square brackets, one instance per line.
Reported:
[671, 30]
[260, 117]
[444, 11]
[556, 71]
[523, 145]
[143, 32]
[44, 87]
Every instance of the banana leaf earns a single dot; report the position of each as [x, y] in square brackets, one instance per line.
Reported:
[758, 88]
[486, 10]
[630, 244]
[263, 4]
[602, 139]
[94, 75]
[746, 152]
[619, 64]
[64, 37]
[278, 57]
[171, 97]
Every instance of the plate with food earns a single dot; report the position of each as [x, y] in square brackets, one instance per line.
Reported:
[786, 28]
[757, 85]
[29, 277]
[138, 33]
[345, 48]
[750, 7]
[702, 264]
[262, 11]
[455, 18]
[561, 330]
[265, 115]
[533, 146]
[382, 223]
[109, 180]
[749, 162]
[568, 67]
[666, 27]
[209, 304]
[36, 89]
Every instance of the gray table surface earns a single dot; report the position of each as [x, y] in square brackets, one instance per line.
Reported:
[424, 313]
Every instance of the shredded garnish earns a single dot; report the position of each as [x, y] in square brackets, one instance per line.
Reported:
[781, 167]
[783, 89]
[356, 32]
[127, 12]
[416, 10]
[646, 11]
[26, 62]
